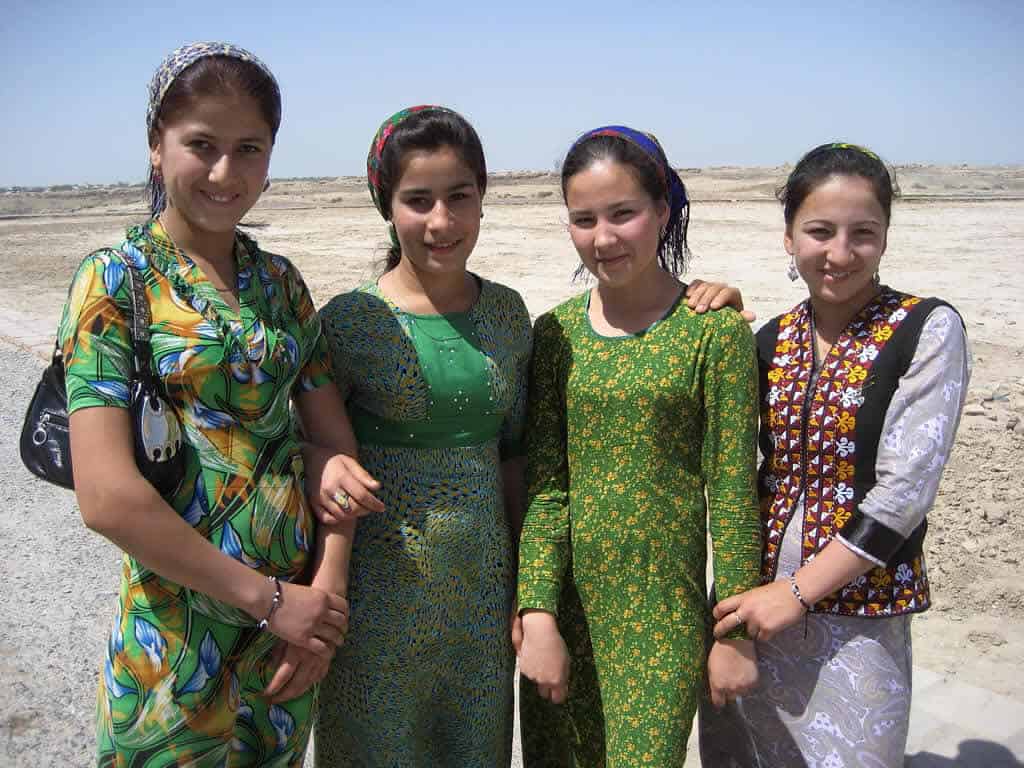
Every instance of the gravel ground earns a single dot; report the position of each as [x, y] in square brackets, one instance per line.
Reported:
[58, 584]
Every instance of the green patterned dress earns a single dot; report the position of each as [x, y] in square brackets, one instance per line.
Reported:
[626, 435]
[183, 673]
[437, 402]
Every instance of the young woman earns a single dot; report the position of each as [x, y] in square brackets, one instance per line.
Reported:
[638, 408]
[432, 360]
[861, 392]
[234, 337]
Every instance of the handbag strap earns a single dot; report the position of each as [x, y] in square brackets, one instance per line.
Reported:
[142, 352]
[138, 327]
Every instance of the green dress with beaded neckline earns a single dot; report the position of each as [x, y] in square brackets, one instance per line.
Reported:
[437, 403]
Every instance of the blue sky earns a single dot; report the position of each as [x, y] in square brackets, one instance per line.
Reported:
[718, 82]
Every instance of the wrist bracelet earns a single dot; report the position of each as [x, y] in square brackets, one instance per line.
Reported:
[795, 589]
[264, 623]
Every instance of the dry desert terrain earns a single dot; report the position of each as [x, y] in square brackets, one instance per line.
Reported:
[957, 233]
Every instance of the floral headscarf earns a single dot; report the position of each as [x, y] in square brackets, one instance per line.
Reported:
[375, 157]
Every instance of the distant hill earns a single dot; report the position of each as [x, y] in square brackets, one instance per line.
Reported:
[719, 183]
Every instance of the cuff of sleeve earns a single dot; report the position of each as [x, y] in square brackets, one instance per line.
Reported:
[539, 595]
[740, 633]
[80, 395]
[869, 538]
[308, 383]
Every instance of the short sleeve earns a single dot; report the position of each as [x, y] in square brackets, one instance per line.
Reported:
[316, 361]
[334, 339]
[94, 336]
[511, 438]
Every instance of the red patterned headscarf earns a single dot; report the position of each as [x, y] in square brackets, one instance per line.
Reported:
[375, 157]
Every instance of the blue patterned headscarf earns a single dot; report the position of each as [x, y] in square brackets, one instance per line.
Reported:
[169, 71]
[672, 247]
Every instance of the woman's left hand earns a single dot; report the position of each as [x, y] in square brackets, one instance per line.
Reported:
[296, 670]
[516, 628]
[702, 296]
[765, 610]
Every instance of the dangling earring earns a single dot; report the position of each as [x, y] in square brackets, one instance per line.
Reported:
[481, 214]
[266, 184]
[393, 235]
[876, 278]
[792, 272]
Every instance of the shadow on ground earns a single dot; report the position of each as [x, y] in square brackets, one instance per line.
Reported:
[973, 753]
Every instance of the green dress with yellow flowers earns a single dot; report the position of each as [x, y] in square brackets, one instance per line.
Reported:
[626, 435]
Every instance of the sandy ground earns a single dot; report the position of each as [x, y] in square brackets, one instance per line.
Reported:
[958, 234]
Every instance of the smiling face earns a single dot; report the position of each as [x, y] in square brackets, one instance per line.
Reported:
[837, 237]
[614, 223]
[435, 209]
[213, 157]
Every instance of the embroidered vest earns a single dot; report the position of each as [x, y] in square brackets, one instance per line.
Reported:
[820, 439]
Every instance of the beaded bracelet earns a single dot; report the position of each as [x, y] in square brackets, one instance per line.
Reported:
[795, 589]
[264, 623]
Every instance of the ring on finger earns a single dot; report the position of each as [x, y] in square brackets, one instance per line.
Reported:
[341, 498]
[739, 619]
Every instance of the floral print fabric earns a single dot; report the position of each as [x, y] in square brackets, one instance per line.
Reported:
[182, 670]
[625, 436]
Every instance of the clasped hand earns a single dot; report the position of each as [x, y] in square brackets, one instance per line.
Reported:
[543, 656]
[312, 624]
[732, 670]
[765, 610]
[338, 487]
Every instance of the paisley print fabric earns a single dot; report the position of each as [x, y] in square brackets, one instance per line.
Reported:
[835, 694]
[182, 669]
[625, 437]
[425, 675]
[835, 690]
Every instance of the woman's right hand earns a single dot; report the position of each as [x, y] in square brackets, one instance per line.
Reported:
[543, 656]
[702, 296]
[310, 618]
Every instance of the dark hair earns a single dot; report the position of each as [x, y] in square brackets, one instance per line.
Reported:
[673, 251]
[213, 76]
[428, 129]
[837, 159]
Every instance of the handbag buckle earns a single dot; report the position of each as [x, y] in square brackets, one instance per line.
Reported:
[39, 435]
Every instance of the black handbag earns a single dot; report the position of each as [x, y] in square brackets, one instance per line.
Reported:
[45, 440]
